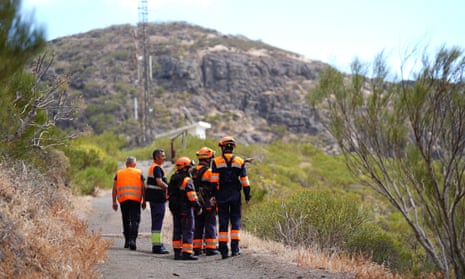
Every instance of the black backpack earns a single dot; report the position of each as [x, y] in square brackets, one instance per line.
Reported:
[175, 193]
[202, 193]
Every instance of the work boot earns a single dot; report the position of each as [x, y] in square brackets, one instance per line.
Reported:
[189, 257]
[211, 252]
[126, 243]
[132, 244]
[197, 251]
[159, 249]
[223, 250]
[177, 254]
[235, 248]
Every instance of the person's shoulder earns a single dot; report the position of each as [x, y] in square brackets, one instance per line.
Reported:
[237, 158]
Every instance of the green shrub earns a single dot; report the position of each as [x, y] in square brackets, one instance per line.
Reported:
[90, 160]
[86, 181]
[371, 241]
[309, 218]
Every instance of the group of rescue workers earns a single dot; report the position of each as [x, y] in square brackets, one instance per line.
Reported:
[196, 195]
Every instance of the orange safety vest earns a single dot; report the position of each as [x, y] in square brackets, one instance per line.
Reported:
[129, 185]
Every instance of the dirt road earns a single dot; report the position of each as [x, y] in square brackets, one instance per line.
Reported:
[124, 263]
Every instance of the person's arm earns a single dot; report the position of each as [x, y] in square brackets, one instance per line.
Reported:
[245, 183]
[113, 196]
[161, 183]
[192, 196]
[144, 204]
[157, 172]
[214, 179]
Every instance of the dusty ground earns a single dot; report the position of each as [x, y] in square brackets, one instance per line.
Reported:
[123, 263]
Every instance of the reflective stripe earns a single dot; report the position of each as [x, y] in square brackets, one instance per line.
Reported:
[215, 177]
[244, 181]
[187, 248]
[177, 244]
[125, 196]
[191, 196]
[198, 243]
[129, 184]
[236, 164]
[223, 237]
[210, 243]
[235, 234]
[156, 238]
[221, 165]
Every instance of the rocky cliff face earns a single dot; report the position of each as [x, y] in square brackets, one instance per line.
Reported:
[244, 88]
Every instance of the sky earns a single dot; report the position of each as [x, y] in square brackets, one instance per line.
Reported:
[330, 31]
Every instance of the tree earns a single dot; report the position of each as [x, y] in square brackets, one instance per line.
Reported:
[406, 140]
[31, 99]
[20, 39]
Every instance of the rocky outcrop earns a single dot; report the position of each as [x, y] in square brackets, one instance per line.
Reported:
[246, 88]
[268, 87]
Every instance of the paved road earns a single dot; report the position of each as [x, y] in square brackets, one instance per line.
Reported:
[124, 263]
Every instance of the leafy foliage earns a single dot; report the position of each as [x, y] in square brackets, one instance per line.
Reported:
[381, 247]
[309, 218]
[91, 163]
[406, 141]
[20, 39]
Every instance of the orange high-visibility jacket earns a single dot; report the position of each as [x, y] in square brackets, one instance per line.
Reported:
[129, 185]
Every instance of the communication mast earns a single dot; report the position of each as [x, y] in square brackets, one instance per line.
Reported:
[146, 98]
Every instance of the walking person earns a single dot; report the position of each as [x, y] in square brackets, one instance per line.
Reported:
[205, 223]
[229, 172]
[183, 202]
[128, 190]
[155, 194]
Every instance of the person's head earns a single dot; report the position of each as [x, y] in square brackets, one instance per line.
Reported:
[131, 162]
[159, 156]
[227, 144]
[205, 154]
[184, 163]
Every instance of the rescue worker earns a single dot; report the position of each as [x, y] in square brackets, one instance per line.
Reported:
[205, 223]
[229, 173]
[128, 189]
[156, 192]
[183, 202]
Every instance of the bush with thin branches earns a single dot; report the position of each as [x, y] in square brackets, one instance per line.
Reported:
[40, 237]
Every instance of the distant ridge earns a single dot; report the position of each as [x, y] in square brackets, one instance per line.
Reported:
[244, 88]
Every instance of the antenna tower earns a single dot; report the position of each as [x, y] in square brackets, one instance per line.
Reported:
[146, 105]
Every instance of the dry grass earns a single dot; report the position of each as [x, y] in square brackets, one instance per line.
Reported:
[356, 265]
[39, 235]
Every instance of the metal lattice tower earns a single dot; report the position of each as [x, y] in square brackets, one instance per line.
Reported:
[146, 98]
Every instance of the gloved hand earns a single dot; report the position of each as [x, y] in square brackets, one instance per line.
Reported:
[212, 201]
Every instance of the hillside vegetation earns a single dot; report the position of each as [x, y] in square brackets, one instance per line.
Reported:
[221, 79]
[67, 121]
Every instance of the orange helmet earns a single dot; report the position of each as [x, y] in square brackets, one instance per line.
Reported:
[226, 141]
[184, 162]
[205, 153]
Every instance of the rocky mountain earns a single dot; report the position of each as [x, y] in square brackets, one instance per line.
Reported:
[245, 88]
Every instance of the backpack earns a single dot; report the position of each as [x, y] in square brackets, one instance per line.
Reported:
[229, 175]
[202, 193]
[175, 193]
